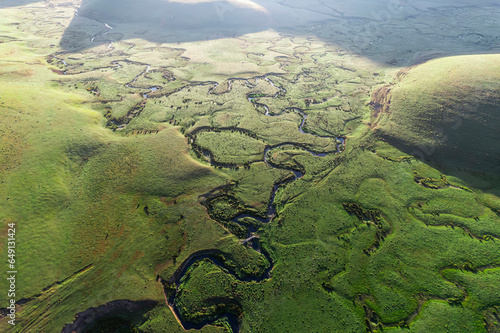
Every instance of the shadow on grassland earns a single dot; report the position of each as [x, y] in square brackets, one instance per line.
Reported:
[381, 30]
[16, 3]
[445, 112]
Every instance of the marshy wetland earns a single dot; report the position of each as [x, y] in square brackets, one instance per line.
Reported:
[251, 166]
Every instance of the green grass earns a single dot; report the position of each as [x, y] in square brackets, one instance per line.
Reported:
[325, 261]
[439, 316]
[445, 111]
[254, 185]
[80, 196]
[231, 147]
[107, 195]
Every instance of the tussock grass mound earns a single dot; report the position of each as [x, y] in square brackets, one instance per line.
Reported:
[446, 111]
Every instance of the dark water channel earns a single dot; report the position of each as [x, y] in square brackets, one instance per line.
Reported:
[252, 239]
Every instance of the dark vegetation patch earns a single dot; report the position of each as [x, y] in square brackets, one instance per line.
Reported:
[370, 217]
[116, 123]
[492, 319]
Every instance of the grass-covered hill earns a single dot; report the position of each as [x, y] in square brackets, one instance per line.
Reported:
[85, 203]
[139, 175]
[446, 111]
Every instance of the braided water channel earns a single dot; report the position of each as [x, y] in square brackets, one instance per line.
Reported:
[171, 287]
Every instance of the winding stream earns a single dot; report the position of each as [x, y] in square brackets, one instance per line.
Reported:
[129, 85]
[101, 33]
[252, 237]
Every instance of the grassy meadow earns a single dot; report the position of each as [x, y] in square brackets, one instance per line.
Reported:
[138, 164]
